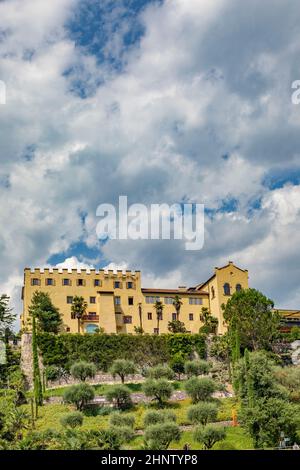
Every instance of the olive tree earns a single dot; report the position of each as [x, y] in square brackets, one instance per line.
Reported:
[122, 368]
[195, 368]
[121, 419]
[156, 417]
[160, 372]
[160, 390]
[159, 436]
[120, 396]
[83, 370]
[202, 413]
[200, 389]
[79, 395]
[209, 435]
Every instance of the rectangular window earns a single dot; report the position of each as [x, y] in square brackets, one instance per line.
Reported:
[92, 314]
[49, 281]
[66, 282]
[69, 299]
[174, 316]
[67, 329]
[191, 316]
[169, 300]
[149, 315]
[79, 282]
[97, 282]
[127, 319]
[92, 300]
[195, 301]
[156, 331]
[130, 285]
[35, 282]
[117, 300]
[130, 300]
[152, 299]
[117, 285]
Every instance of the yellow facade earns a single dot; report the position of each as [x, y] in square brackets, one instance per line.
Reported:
[117, 303]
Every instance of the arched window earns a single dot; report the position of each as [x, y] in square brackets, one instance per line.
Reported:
[226, 289]
[238, 287]
[91, 328]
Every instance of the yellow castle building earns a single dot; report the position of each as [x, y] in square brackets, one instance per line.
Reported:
[117, 303]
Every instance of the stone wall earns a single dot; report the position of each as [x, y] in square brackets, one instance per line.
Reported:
[26, 359]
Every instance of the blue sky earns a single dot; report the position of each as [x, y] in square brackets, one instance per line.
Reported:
[162, 101]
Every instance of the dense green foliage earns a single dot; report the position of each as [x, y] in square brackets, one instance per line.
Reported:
[156, 417]
[267, 418]
[7, 317]
[266, 411]
[177, 365]
[176, 326]
[159, 436]
[121, 419]
[202, 413]
[160, 372]
[102, 349]
[47, 315]
[251, 319]
[195, 368]
[72, 420]
[200, 389]
[209, 435]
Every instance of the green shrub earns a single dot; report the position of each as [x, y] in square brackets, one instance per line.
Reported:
[65, 349]
[72, 420]
[156, 417]
[209, 435]
[195, 368]
[120, 419]
[83, 370]
[159, 436]
[79, 395]
[177, 364]
[160, 390]
[202, 413]
[160, 372]
[200, 389]
[52, 372]
[125, 433]
[120, 396]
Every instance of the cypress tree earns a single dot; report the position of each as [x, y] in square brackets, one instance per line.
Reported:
[37, 383]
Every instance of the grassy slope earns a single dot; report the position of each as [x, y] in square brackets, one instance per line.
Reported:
[49, 418]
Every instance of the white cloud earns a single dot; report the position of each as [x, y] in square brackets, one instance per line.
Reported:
[200, 85]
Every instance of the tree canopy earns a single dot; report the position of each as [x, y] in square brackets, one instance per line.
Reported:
[47, 315]
[250, 314]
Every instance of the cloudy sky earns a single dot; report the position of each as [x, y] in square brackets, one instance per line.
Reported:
[162, 101]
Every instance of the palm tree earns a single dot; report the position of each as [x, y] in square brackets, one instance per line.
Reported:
[159, 309]
[141, 316]
[18, 419]
[78, 309]
[177, 304]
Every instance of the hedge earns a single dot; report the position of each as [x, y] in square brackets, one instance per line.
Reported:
[102, 349]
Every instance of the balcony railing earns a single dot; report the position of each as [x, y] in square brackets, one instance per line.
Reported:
[90, 318]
